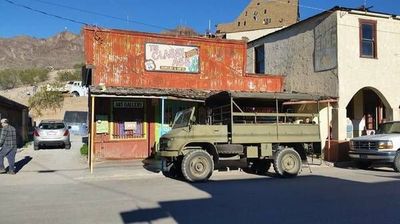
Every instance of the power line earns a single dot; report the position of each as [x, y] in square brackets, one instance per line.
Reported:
[46, 13]
[100, 14]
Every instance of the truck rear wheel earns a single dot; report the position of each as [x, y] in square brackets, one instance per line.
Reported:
[396, 164]
[197, 165]
[287, 163]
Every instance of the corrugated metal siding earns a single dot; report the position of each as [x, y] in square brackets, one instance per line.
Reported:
[119, 58]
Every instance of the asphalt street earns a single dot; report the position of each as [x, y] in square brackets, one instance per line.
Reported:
[55, 186]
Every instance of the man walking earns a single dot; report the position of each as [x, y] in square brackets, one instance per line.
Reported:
[8, 144]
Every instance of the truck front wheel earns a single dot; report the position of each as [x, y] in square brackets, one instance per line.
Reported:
[197, 165]
[396, 164]
[287, 162]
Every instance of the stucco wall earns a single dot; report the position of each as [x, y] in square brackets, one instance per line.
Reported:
[250, 35]
[380, 74]
[291, 52]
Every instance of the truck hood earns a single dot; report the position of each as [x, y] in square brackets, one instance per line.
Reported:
[377, 137]
[173, 133]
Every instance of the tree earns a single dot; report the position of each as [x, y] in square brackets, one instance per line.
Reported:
[44, 100]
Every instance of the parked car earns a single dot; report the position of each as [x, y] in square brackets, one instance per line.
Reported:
[77, 121]
[383, 147]
[51, 133]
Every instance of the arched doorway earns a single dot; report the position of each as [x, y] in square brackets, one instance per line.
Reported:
[367, 109]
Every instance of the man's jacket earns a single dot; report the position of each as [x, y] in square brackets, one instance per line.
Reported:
[8, 137]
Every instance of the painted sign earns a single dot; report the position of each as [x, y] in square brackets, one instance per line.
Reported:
[127, 104]
[101, 124]
[172, 58]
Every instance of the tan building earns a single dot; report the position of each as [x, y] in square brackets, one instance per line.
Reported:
[260, 18]
[348, 54]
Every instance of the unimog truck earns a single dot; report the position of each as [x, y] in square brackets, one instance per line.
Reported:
[245, 130]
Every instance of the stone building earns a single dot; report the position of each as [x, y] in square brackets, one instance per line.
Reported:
[260, 18]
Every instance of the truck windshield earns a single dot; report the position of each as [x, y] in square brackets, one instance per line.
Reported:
[182, 118]
[389, 128]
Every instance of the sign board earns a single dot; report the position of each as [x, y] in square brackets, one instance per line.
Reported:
[130, 125]
[127, 104]
[172, 58]
[101, 124]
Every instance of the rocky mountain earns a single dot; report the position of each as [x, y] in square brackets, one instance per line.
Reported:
[63, 50]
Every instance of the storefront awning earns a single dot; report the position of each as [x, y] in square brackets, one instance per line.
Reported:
[181, 94]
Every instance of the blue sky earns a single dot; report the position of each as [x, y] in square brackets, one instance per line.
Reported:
[144, 15]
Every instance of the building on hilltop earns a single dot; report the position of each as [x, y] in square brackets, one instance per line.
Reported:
[260, 18]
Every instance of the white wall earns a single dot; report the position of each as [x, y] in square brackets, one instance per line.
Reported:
[251, 35]
[355, 73]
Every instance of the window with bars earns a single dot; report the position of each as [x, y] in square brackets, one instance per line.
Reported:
[368, 43]
[128, 120]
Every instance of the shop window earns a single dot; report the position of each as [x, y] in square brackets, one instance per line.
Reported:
[128, 119]
[259, 60]
[368, 39]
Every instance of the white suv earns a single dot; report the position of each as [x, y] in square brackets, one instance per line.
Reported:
[383, 147]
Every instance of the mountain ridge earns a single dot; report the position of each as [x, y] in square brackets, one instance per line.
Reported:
[61, 51]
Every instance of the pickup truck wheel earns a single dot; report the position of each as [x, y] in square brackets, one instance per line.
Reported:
[75, 94]
[197, 165]
[287, 163]
[396, 165]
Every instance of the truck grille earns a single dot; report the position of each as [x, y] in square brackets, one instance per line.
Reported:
[364, 145]
[163, 144]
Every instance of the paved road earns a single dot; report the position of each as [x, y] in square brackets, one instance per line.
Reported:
[54, 186]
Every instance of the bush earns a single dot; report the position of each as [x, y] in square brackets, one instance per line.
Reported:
[69, 76]
[11, 78]
[84, 150]
[44, 99]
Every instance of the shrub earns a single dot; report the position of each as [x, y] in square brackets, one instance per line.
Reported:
[69, 76]
[84, 150]
[44, 99]
[11, 78]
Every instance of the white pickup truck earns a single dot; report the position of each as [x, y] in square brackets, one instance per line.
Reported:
[76, 89]
[383, 147]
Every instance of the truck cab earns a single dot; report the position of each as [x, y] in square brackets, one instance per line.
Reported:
[247, 130]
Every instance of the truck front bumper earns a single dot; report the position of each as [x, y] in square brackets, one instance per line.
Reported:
[375, 156]
[167, 153]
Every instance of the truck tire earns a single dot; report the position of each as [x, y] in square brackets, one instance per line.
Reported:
[287, 162]
[75, 94]
[396, 164]
[197, 165]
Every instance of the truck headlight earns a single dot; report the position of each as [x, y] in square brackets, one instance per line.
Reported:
[351, 144]
[385, 145]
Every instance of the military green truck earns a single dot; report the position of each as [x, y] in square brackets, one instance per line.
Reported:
[243, 129]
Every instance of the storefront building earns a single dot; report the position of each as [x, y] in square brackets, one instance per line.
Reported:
[140, 80]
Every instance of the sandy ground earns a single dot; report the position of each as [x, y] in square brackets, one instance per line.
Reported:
[22, 95]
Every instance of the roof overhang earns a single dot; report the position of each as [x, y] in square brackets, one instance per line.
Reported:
[150, 93]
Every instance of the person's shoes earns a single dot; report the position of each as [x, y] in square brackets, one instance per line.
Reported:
[2, 170]
[11, 172]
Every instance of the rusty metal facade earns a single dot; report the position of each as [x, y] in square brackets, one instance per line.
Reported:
[118, 58]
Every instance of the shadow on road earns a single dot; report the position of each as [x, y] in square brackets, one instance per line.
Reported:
[21, 163]
[305, 199]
